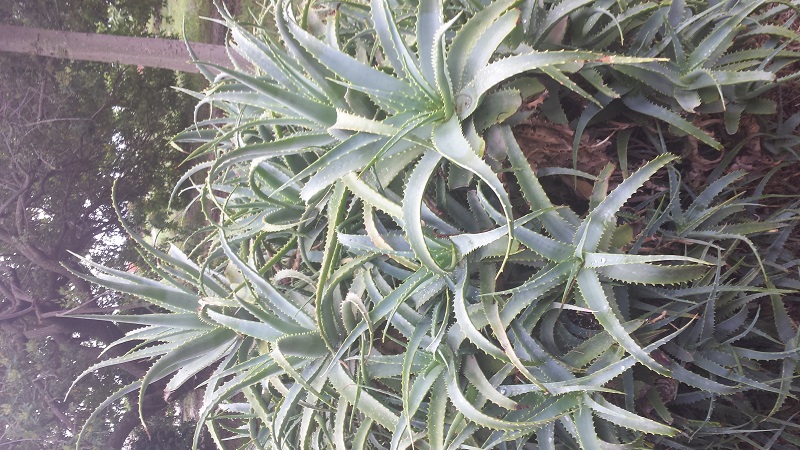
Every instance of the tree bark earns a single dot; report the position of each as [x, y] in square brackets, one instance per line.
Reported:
[146, 52]
[123, 429]
[153, 403]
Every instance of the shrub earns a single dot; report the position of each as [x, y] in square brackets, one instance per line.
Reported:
[386, 269]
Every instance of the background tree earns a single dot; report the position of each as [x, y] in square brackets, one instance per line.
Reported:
[140, 51]
[68, 131]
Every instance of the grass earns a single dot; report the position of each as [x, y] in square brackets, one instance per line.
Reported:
[184, 16]
[187, 16]
[186, 19]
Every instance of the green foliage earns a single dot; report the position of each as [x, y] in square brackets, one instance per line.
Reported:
[166, 436]
[69, 129]
[386, 269]
[712, 58]
[128, 17]
[28, 402]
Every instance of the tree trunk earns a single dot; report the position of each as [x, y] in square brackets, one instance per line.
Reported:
[147, 52]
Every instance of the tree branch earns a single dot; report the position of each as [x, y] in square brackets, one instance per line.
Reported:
[16, 195]
[123, 429]
[54, 408]
[149, 52]
[17, 314]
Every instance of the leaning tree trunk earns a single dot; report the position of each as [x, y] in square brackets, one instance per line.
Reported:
[147, 52]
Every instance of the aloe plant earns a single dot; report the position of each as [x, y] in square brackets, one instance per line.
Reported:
[369, 283]
[713, 62]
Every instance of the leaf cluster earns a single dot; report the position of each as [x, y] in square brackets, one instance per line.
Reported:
[385, 269]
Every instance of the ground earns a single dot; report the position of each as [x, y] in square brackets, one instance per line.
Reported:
[186, 18]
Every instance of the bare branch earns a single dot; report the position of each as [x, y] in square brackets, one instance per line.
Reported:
[14, 315]
[53, 405]
[59, 119]
[150, 52]
[41, 100]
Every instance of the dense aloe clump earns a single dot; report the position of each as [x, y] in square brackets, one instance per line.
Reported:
[386, 270]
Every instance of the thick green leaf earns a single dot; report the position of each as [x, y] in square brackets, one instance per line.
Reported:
[646, 107]
[363, 400]
[653, 274]
[625, 418]
[468, 98]
[596, 299]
